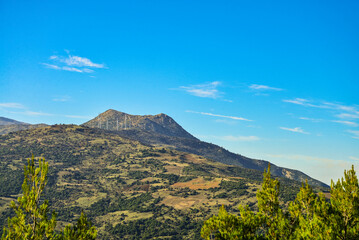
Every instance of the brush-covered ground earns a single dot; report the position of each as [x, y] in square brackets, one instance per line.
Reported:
[129, 190]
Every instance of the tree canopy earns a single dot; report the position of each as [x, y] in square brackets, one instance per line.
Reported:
[309, 216]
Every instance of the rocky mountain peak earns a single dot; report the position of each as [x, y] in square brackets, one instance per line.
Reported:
[116, 121]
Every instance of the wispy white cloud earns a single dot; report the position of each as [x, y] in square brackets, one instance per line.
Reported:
[52, 66]
[305, 102]
[12, 105]
[351, 111]
[264, 88]
[80, 62]
[87, 70]
[32, 113]
[355, 134]
[18, 108]
[208, 90]
[348, 115]
[296, 129]
[354, 158]
[299, 101]
[221, 116]
[348, 123]
[72, 69]
[341, 107]
[72, 64]
[311, 119]
[64, 68]
[340, 111]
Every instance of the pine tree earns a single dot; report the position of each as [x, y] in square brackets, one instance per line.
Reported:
[345, 205]
[83, 230]
[275, 225]
[32, 220]
[309, 216]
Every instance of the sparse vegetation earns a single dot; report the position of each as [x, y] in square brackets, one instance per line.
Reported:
[119, 188]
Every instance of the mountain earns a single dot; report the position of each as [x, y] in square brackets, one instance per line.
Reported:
[8, 125]
[128, 189]
[8, 121]
[160, 123]
[162, 131]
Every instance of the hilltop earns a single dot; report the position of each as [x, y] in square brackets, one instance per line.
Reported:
[160, 123]
[162, 131]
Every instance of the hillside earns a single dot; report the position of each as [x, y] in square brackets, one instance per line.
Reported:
[8, 121]
[8, 125]
[4, 129]
[129, 190]
[164, 136]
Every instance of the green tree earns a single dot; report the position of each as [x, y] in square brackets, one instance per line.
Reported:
[268, 223]
[83, 230]
[345, 206]
[275, 224]
[309, 216]
[32, 220]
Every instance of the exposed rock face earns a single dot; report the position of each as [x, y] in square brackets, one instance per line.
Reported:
[160, 123]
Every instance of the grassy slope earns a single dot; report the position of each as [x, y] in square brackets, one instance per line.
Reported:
[129, 190]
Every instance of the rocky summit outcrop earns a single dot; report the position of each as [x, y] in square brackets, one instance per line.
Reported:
[160, 123]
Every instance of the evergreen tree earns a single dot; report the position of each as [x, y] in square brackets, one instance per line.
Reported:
[32, 220]
[309, 216]
[274, 223]
[83, 230]
[345, 205]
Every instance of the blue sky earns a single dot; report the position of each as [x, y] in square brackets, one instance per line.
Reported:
[273, 80]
